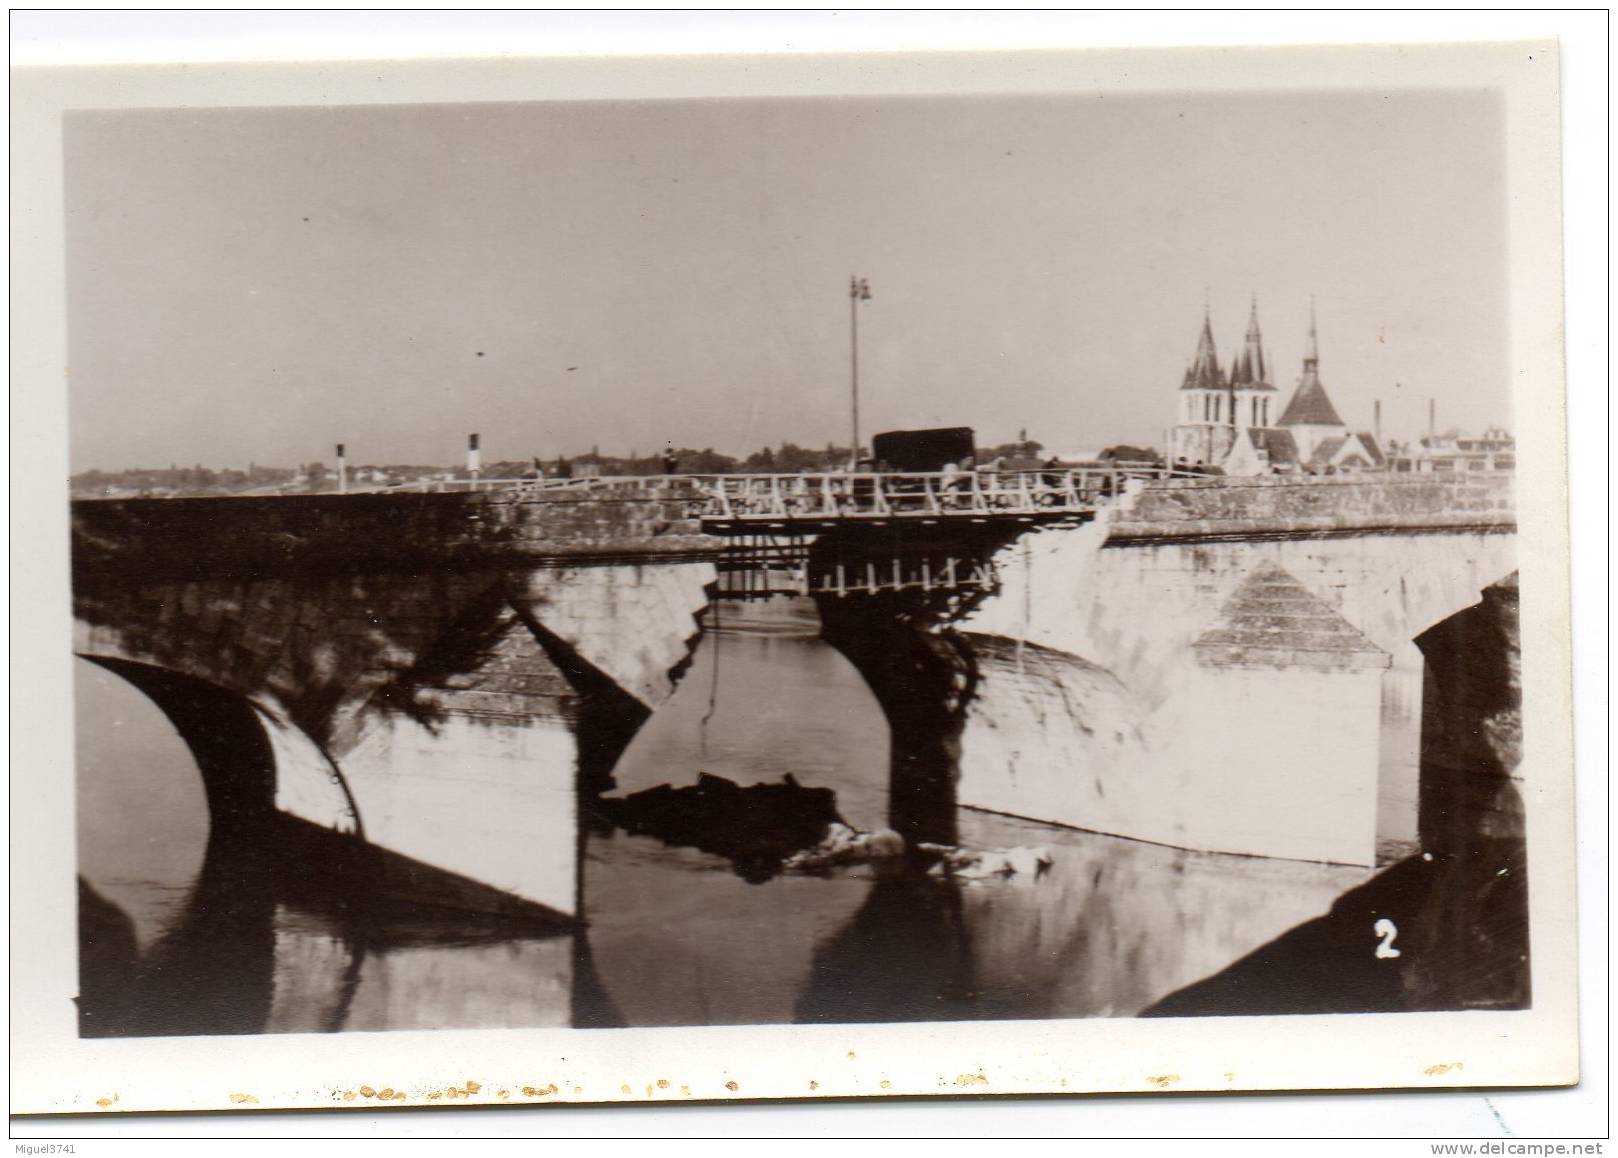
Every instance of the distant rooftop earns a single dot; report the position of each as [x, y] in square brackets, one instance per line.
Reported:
[1310, 407]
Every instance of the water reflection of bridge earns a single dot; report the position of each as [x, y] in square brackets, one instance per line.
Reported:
[256, 947]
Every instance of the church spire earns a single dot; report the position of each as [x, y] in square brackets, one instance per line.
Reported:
[1311, 350]
[1203, 373]
[1310, 406]
[1253, 366]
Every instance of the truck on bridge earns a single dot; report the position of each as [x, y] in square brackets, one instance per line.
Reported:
[923, 451]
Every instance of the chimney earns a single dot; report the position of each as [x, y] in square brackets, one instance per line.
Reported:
[1432, 420]
[474, 460]
[342, 469]
[1376, 421]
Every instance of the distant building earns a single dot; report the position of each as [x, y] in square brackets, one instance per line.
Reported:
[1227, 420]
[1310, 416]
[1125, 453]
[1217, 409]
[1495, 449]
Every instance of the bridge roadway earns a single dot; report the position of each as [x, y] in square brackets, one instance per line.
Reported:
[889, 531]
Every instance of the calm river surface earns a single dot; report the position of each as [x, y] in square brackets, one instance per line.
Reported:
[675, 937]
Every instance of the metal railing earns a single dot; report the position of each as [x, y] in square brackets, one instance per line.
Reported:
[787, 497]
[435, 486]
[938, 494]
[674, 485]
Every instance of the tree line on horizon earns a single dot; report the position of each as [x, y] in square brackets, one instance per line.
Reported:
[321, 477]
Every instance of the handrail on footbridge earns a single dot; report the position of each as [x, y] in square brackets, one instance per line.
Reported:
[935, 494]
[735, 498]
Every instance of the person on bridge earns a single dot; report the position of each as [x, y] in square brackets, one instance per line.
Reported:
[1053, 473]
[671, 461]
[956, 484]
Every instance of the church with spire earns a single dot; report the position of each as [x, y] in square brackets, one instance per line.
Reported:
[1230, 420]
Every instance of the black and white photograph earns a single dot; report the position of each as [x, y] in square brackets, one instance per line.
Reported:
[809, 563]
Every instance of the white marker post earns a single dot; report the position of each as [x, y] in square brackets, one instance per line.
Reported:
[342, 469]
[474, 461]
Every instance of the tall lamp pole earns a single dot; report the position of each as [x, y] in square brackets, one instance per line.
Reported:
[859, 290]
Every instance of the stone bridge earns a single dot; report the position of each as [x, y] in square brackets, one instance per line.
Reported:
[418, 689]
[431, 679]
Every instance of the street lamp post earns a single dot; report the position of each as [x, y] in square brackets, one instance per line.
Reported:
[859, 290]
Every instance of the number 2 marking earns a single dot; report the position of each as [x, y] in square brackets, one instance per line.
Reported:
[1386, 930]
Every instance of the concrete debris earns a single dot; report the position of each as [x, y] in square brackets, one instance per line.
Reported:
[982, 864]
[765, 829]
[755, 828]
[844, 845]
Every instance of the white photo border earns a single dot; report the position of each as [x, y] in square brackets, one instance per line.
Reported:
[59, 1072]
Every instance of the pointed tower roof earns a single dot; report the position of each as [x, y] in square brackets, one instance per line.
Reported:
[1311, 349]
[1203, 373]
[1310, 406]
[1249, 371]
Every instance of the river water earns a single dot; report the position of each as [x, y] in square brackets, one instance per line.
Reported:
[173, 944]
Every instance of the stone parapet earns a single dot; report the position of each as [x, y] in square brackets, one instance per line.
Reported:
[1284, 506]
[369, 534]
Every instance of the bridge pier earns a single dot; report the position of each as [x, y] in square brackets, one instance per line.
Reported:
[1473, 922]
[473, 773]
[1457, 915]
[901, 639]
[922, 675]
[1281, 694]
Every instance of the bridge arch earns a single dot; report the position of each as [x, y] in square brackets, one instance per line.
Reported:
[253, 764]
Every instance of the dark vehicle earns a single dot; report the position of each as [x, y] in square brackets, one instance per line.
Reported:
[924, 451]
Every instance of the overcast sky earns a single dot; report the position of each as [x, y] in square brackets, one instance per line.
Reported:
[255, 285]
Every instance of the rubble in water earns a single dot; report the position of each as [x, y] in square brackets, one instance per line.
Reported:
[754, 828]
[843, 845]
[767, 829]
[981, 864]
